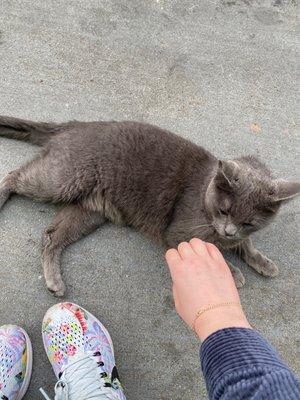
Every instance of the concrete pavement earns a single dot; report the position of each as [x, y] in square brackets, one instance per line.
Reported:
[221, 73]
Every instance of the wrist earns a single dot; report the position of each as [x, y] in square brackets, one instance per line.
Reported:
[216, 319]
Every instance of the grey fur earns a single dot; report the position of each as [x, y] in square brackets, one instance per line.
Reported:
[146, 177]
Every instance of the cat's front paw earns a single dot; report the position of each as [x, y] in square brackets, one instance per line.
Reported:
[238, 278]
[267, 268]
[237, 275]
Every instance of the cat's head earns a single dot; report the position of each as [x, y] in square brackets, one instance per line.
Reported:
[243, 197]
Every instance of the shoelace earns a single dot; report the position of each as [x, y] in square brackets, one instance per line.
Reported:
[82, 380]
[2, 396]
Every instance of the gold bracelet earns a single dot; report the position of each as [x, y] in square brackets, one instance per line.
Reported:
[213, 306]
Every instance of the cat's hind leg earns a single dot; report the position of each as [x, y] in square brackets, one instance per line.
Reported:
[32, 180]
[68, 226]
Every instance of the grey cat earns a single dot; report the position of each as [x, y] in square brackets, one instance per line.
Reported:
[140, 175]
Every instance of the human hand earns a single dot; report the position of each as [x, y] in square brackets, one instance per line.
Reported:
[201, 278]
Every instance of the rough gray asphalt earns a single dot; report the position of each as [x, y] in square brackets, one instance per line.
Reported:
[222, 73]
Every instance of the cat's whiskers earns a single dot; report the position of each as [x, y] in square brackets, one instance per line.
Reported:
[240, 250]
[200, 226]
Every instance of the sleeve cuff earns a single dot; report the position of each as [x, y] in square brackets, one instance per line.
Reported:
[230, 350]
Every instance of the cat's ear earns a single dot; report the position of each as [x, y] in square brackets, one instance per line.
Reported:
[286, 190]
[226, 176]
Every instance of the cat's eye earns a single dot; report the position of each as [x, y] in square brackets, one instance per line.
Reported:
[248, 225]
[223, 212]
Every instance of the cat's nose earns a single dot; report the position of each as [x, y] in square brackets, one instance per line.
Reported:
[230, 230]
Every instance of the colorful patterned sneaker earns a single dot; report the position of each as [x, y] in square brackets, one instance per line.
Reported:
[15, 362]
[81, 352]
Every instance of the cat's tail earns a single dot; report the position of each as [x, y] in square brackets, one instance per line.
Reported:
[35, 132]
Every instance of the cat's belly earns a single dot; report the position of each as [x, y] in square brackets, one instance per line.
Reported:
[97, 202]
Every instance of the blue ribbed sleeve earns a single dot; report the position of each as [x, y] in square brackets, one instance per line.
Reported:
[238, 363]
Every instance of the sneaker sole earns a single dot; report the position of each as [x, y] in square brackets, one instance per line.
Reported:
[26, 382]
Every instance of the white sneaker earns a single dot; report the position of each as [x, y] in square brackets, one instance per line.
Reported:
[81, 352]
[15, 362]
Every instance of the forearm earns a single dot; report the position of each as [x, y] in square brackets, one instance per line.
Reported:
[238, 363]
